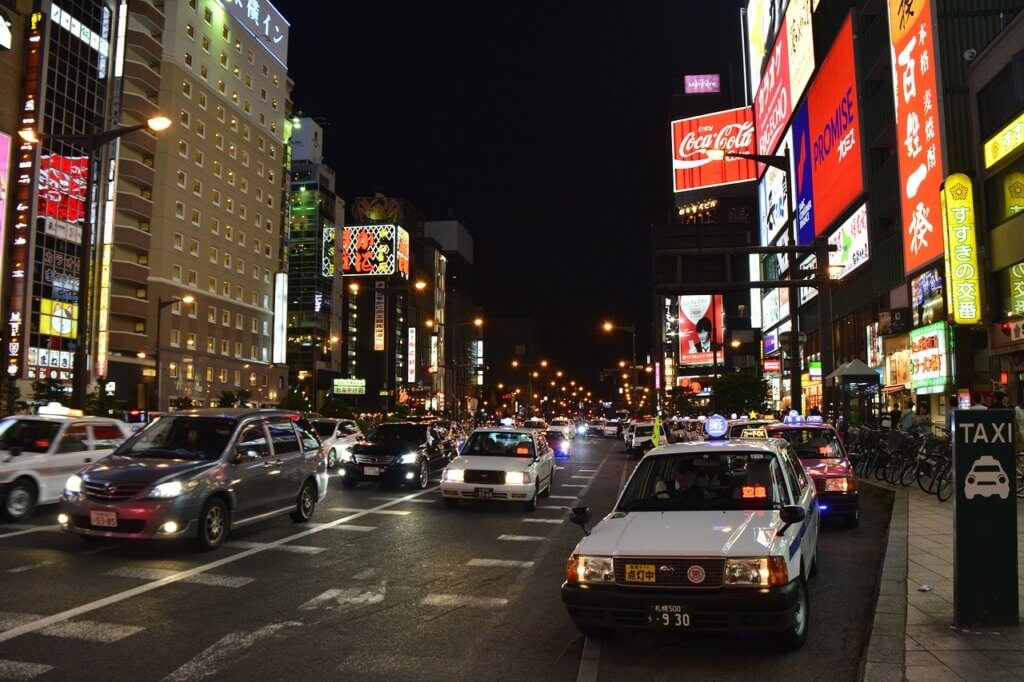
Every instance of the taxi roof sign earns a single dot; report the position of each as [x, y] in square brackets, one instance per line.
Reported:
[815, 419]
[793, 418]
[716, 426]
[754, 433]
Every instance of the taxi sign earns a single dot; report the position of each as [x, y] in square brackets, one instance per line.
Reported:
[793, 418]
[754, 433]
[716, 426]
[815, 419]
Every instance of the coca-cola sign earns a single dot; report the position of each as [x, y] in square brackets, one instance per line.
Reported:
[692, 138]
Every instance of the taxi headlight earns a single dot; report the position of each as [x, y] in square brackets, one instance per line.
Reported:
[454, 475]
[409, 458]
[744, 572]
[73, 486]
[170, 489]
[516, 478]
[594, 569]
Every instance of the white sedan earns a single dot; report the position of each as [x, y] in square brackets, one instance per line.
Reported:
[507, 465]
[566, 427]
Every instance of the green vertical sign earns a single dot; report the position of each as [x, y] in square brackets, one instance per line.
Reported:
[984, 519]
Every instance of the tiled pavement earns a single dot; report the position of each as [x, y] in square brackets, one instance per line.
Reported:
[934, 650]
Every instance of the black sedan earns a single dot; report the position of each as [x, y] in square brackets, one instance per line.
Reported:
[398, 453]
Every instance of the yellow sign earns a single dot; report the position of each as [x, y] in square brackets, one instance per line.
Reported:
[754, 433]
[962, 274]
[58, 318]
[1013, 195]
[1003, 143]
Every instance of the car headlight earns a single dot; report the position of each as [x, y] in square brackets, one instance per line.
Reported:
[73, 486]
[516, 478]
[409, 458]
[746, 572]
[170, 489]
[590, 569]
[454, 475]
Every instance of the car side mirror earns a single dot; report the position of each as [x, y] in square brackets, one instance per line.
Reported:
[242, 456]
[790, 514]
[581, 517]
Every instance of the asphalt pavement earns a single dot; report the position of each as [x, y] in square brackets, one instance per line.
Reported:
[385, 584]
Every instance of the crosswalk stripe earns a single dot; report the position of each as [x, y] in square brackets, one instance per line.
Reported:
[19, 670]
[28, 567]
[462, 600]
[347, 596]
[573, 485]
[353, 528]
[542, 520]
[197, 579]
[294, 549]
[85, 630]
[521, 538]
[392, 512]
[226, 650]
[499, 563]
[26, 531]
[585, 478]
[561, 497]
[588, 471]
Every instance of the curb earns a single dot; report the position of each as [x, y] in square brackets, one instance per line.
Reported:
[885, 658]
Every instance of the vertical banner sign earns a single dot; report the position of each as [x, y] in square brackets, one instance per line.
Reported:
[411, 355]
[773, 103]
[731, 131]
[919, 144]
[700, 330]
[984, 519]
[962, 275]
[378, 318]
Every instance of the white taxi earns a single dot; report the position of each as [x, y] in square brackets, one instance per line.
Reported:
[563, 425]
[717, 536]
[39, 452]
[507, 465]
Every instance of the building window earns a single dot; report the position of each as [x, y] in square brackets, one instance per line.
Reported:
[211, 284]
[197, 157]
[186, 89]
[238, 321]
[238, 377]
[200, 129]
[206, 44]
[176, 273]
[207, 15]
[214, 226]
[179, 209]
[188, 59]
[202, 71]
[197, 187]
[223, 376]
[193, 247]
[213, 254]
[175, 337]
[227, 232]
[192, 277]
[238, 293]
[225, 290]
[179, 241]
[209, 373]
[225, 347]
[211, 347]
[184, 118]
[190, 342]
[190, 31]
[221, 86]
[201, 99]
[238, 349]
[215, 197]
[173, 369]
[227, 261]
[181, 178]
[216, 168]
[211, 314]
[196, 217]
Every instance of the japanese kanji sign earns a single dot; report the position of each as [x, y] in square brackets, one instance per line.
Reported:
[919, 145]
[962, 276]
[374, 250]
[264, 21]
[1007, 140]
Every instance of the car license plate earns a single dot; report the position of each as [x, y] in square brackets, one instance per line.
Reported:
[668, 616]
[103, 519]
[484, 492]
[371, 471]
[640, 573]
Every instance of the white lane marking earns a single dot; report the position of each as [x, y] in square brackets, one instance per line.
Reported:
[542, 520]
[26, 531]
[28, 567]
[228, 649]
[197, 579]
[20, 671]
[561, 497]
[363, 575]
[557, 468]
[552, 507]
[348, 596]
[587, 471]
[198, 570]
[294, 549]
[589, 660]
[418, 500]
[85, 630]
[499, 563]
[393, 512]
[348, 527]
[585, 478]
[521, 538]
[573, 485]
[457, 600]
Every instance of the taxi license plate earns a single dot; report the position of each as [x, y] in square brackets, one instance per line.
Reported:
[640, 573]
[371, 471]
[484, 492]
[103, 519]
[667, 616]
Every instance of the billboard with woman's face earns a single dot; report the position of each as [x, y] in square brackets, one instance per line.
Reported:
[700, 330]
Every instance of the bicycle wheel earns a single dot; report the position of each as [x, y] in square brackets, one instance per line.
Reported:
[1020, 474]
[893, 468]
[926, 475]
[909, 473]
[945, 487]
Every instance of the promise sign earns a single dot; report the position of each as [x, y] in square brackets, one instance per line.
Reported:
[958, 223]
[918, 129]
[731, 130]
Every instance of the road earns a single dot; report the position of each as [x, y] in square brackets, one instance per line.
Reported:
[385, 584]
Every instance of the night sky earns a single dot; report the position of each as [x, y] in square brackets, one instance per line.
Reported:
[542, 126]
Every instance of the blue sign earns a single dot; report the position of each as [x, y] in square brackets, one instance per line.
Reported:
[804, 181]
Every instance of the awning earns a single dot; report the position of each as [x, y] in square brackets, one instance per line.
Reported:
[854, 372]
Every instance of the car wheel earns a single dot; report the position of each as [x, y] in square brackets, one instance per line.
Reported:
[20, 500]
[594, 632]
[332, 459]
[531, 504]
[852, 520]
[451, 502]
[551, 481]
[422, 477]
[305, 504]
[213, 525]
[795, 636]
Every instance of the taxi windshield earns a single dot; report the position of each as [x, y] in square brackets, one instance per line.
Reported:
[705, 482]
[499, 444]
[27, 435]
[811, 443]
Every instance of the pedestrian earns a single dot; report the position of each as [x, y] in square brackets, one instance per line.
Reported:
[907, 416]
[815, 412]
[976, 403]
[894, 415]
[999, 401]
[923, 418]
[952, 405]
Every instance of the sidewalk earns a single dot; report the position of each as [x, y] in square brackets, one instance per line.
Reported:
[916, 596]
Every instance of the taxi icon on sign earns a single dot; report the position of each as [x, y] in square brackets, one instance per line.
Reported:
[986, 478]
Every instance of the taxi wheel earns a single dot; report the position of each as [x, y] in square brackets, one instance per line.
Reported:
[20, 500]
[213, 525]
[795, 636]
[531, 504]
[547, 489]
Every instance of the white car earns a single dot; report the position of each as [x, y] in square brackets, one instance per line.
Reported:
[986, 478]
[535, 424]
[566, 427]
[39, 452]
[717, 536]
[338, 436]
[640, 436]
[627, 433]
[610, 428]
[508, 465]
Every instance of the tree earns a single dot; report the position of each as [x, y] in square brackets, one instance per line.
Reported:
[182, 402]
[337, 409]
[227, 399]
[739, 393]
[100, 403]
[684, 402]
[11, 398]
[49, 391]
[293, 400]
[243, 396]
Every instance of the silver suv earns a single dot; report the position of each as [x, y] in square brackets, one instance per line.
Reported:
[196, 474]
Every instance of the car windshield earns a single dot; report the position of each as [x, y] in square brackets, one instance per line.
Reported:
[811, 443]
[554, 437]
[406, 433]
[324, 427]
[184, 437]
[645, 430]
[499, 444]
[705, 481]
[27, 435]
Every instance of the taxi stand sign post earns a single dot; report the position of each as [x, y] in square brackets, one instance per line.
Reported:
[984, 519]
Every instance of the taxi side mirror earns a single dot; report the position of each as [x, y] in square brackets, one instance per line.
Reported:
[581, 517]
[790, 514]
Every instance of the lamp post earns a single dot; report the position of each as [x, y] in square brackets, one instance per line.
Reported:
[160, 305]
[92, 143]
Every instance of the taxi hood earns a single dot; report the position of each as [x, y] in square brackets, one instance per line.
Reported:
[485, 463]
[683, 533]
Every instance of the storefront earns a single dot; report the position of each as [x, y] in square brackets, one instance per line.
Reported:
[931, 348]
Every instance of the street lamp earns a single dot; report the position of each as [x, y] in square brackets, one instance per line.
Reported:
[160, 305]
[92, 143]
[609, 327]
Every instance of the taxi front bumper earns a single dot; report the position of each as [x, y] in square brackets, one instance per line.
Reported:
[725, 610]
[487, 491]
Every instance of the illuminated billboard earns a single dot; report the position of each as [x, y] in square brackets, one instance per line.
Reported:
[701, 322]
[764, 18]
[328, 240]
[851, 240]
[929, 357]
[961, 248]
[374, 251]
[773, 196]
[828, 144]
[918, 134]
[787, 71]
[731, 130]
[702, 84]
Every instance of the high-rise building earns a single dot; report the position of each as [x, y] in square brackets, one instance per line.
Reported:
[315, 316]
